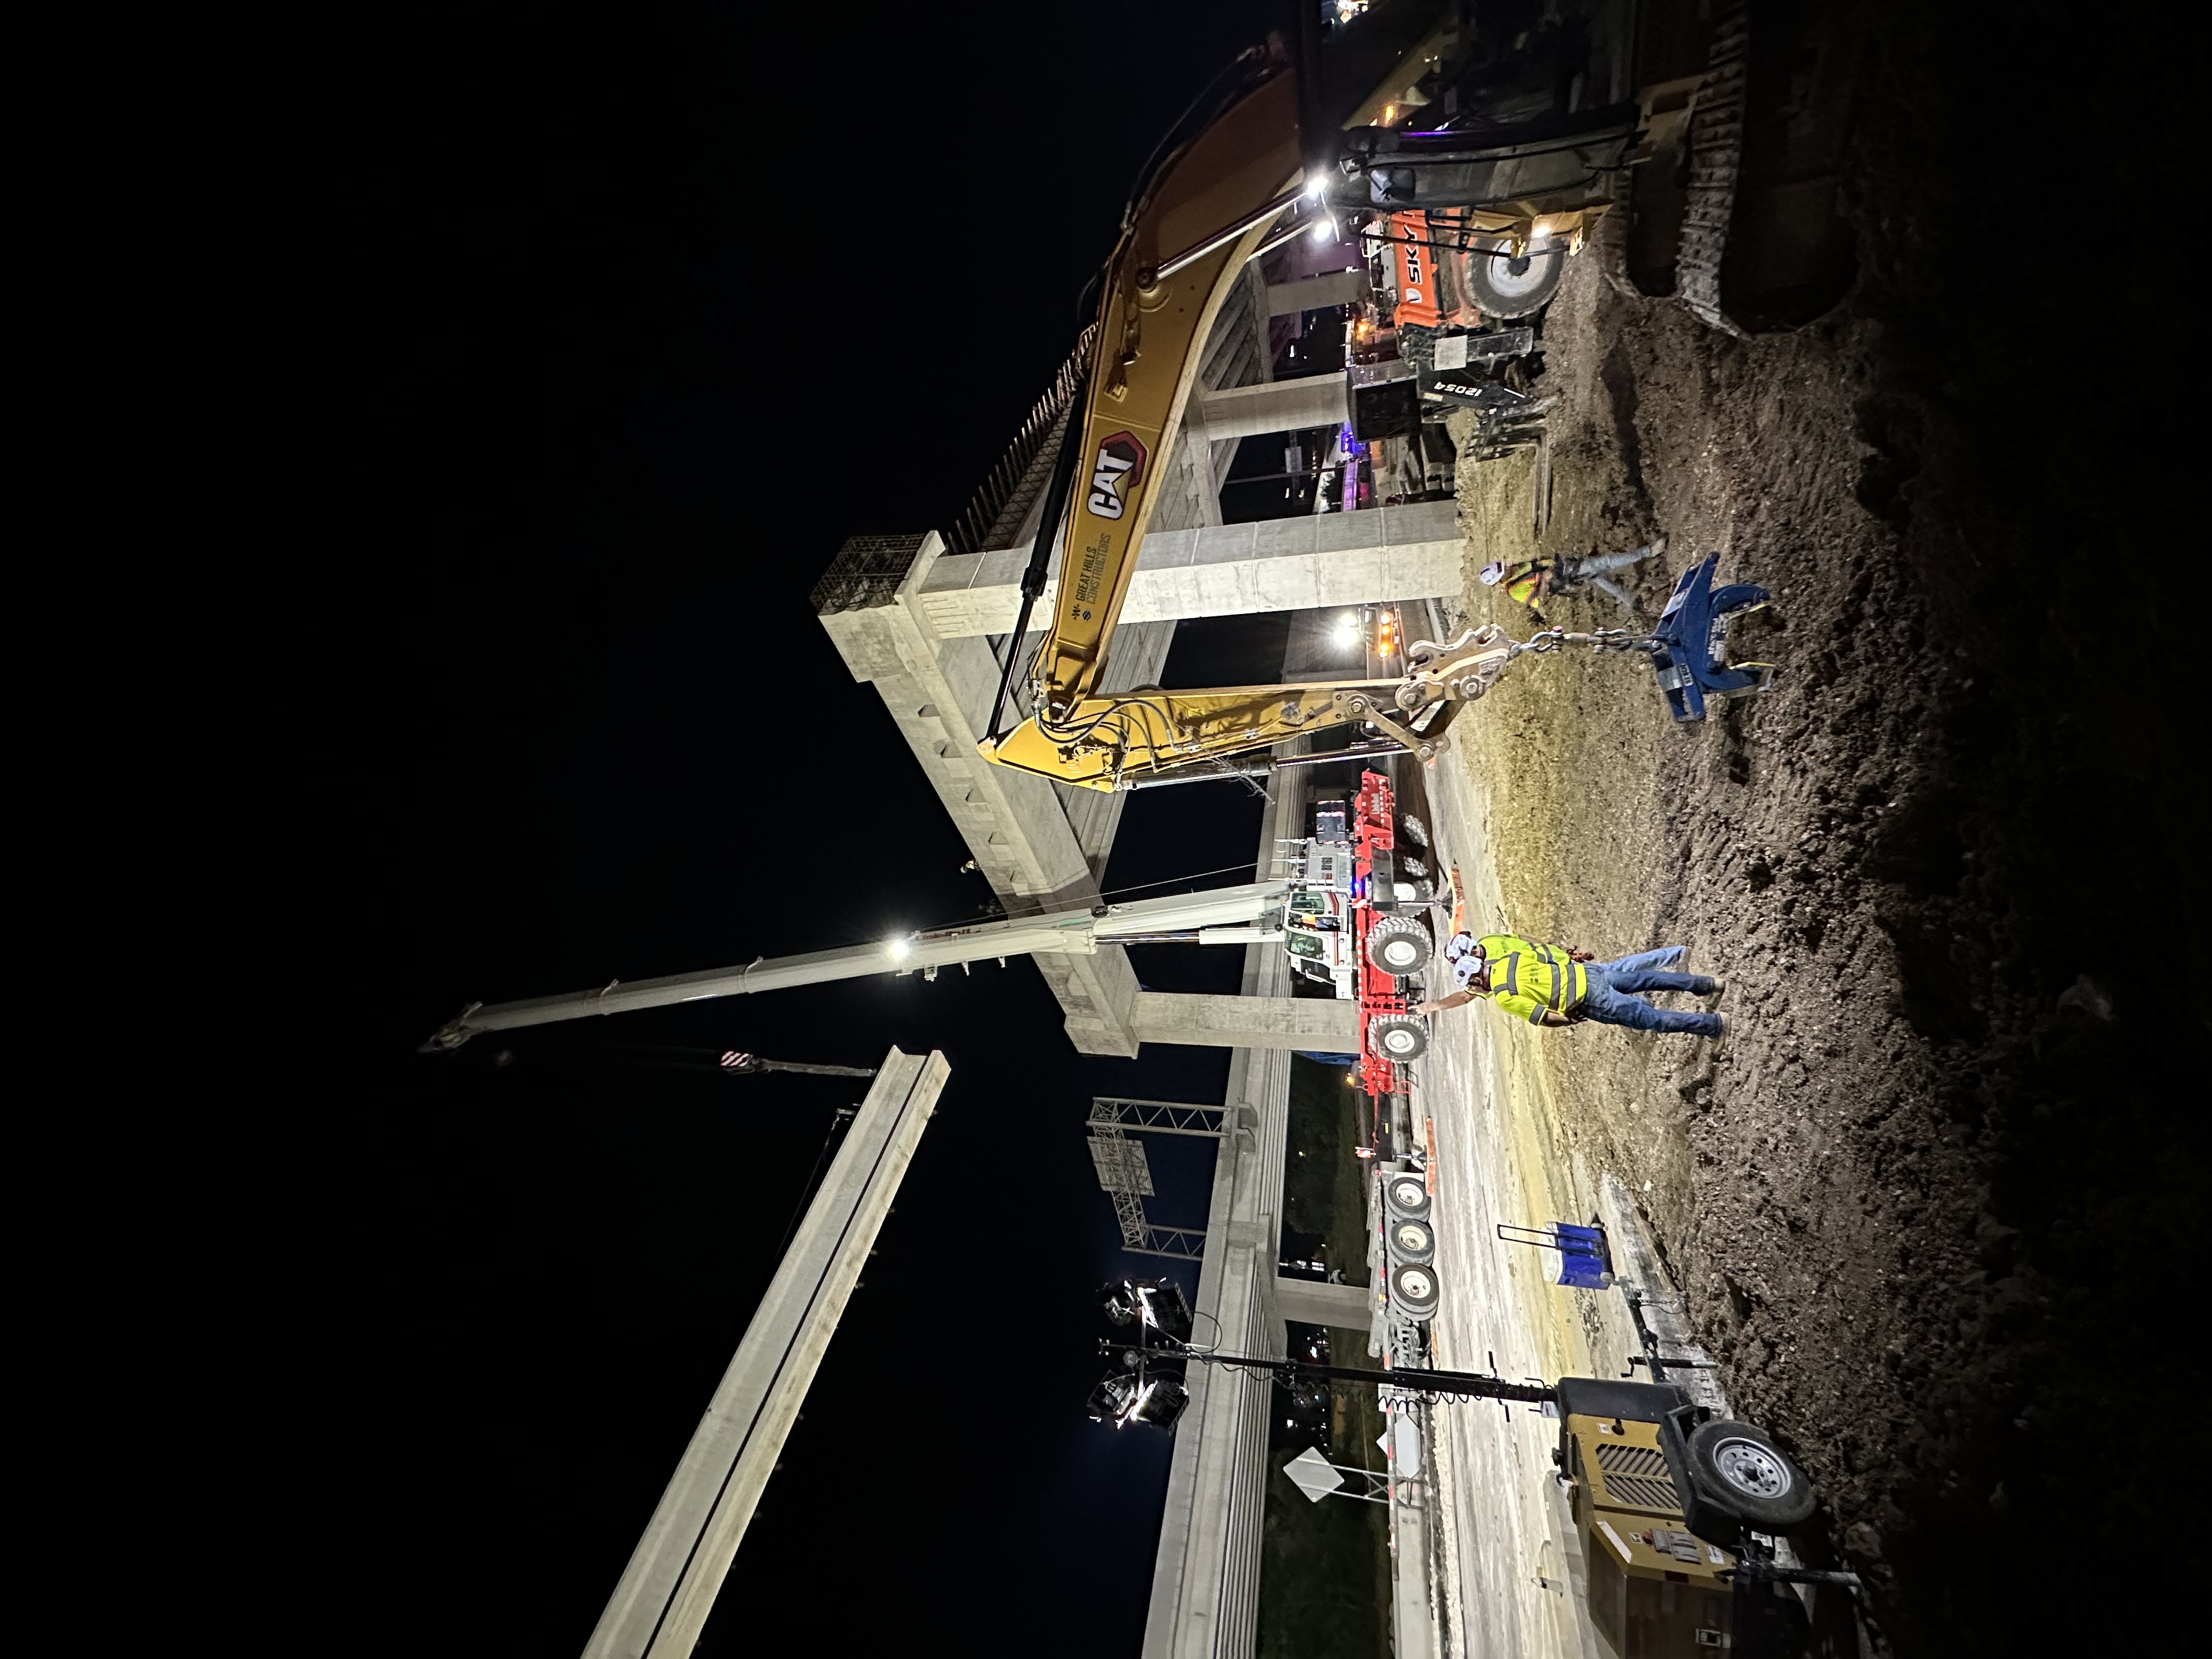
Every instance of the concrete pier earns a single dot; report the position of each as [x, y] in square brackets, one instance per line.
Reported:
[1279, 1022]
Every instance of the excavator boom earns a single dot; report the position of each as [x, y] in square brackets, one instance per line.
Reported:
[1160, 305]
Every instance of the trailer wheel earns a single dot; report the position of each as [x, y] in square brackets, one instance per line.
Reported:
[1743, 1472]
[1410, 1241]
[1398, 1036]
[1400, 945]
[1414, 1291]
[1406, 1195]
[1499, 287]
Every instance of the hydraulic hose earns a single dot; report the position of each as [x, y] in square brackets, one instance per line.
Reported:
[1048, 538]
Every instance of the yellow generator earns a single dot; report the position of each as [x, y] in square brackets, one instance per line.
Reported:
[1666, 1497]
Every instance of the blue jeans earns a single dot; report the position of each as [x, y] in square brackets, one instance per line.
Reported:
[1611, 999]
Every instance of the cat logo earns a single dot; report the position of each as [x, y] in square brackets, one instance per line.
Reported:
[1120, 465]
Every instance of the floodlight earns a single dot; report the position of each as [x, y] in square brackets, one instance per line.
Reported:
[1111, 1399]
[1155, 1304]
[898, 950]
[1165, 1309]
[1119, 1299]
[1160, 1402]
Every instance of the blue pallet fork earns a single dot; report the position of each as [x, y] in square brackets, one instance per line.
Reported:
[1585, 1256]
[1686, 647]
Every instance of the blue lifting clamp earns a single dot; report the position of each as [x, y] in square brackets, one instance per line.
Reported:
[1691, 633]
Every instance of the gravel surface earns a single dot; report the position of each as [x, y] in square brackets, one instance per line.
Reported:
[1932, 1203]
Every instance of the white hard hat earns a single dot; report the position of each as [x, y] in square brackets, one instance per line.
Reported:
[1493, 573]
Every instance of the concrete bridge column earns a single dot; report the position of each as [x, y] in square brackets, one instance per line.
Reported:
[1283, 1022]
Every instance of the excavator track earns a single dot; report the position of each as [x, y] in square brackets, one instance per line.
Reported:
[1609, 238]
[1716, 164]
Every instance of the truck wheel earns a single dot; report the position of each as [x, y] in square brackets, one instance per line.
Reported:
[1410, 1241]
[1413, 830]
[1398, 1036]
[1500, 286]
[1414, 1291]
[1746, 1473]
[1399, 944]
[1406, 1196]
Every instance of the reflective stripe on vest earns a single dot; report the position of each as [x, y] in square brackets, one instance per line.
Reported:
[1565, 983]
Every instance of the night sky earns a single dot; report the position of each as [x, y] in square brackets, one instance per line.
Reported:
[540, 365]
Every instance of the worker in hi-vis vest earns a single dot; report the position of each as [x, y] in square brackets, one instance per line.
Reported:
[1550, 984]
[1528, 581]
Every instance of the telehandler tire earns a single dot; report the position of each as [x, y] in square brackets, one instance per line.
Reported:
[1740, 1470]
[1509, 287]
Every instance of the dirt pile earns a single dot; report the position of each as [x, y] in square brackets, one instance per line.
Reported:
[1931, 1201]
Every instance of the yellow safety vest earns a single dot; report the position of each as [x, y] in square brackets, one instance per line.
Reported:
[1529, 981]
[1523, 581]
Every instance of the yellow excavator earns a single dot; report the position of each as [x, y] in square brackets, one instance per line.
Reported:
[1208, 209]
[1530, 129]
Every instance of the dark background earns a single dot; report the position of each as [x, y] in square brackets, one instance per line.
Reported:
[537, 365]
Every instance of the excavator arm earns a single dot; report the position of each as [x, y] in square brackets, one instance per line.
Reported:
[1162, 295]
[1188, 240]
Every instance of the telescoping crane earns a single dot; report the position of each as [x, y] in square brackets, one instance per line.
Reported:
[1272, 158]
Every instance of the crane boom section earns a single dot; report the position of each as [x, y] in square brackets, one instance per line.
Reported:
[1151, 334]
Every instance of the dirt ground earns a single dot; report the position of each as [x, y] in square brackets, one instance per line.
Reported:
[1933, 1201]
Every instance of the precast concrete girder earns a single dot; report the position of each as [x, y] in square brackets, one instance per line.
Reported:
[1330, 289]
[938, 693]
[1308, 1302]
[1314, 561]
[661, 1602]
[1253, 411]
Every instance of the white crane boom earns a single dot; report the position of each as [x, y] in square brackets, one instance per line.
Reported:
[1210, 917]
